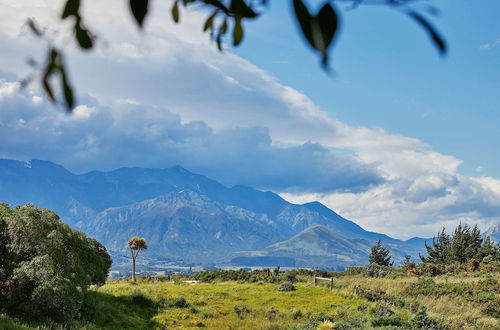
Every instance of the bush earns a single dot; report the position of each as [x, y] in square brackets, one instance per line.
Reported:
[241, 311]
[297, 314]
[353, 270]
[47, 266]
[429, 269]
[372, 294]
[286, 287]
[375, 270]
[272, 314]
[422, 321]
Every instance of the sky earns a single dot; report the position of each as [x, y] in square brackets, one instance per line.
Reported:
[398, 139]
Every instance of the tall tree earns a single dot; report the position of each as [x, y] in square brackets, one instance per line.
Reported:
[380, 255]
[438, 252]
[465, 244]
[136, 244]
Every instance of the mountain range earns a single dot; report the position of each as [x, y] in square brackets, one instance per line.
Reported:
[189, 217]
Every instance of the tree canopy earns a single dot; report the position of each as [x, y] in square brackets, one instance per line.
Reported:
[45, 265]
[465, 244]
[224, 17]
[380, 255]
[136, 244]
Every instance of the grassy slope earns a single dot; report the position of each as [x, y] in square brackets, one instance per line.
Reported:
[121, 305]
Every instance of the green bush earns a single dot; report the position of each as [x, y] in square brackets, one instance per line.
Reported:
[375, 270]
[422, 321]
[46, 265]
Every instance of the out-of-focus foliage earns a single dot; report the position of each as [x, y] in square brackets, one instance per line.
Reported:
[319, 30]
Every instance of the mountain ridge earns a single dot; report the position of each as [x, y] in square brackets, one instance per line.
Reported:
[189, 216]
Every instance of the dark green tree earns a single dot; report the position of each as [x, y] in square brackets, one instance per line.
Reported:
[135, 244]
[464, 245]
[489, 251]
[439, 251]
[380, 255]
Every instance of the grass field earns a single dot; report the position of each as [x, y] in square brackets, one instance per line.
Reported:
[457, 302]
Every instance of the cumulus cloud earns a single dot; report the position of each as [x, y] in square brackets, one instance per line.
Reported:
[167, 97]
[133, 134]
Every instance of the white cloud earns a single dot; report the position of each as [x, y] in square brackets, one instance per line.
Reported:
[490, 45]
[166, 96]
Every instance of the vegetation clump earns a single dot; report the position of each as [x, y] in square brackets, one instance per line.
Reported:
[465, 245]
[46, 267]
[286, 287]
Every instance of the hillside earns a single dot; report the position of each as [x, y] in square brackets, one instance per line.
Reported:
[193, 219]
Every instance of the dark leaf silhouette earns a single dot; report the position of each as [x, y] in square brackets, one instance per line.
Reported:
[83, 37]
[439, 42]
[71, 8]
[237, 32]
[139, 9]
[175, 12]
[240, 8]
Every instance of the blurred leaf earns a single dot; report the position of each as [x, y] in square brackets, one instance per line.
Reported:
[237, 31]
[71, 8]
[240, 8]
[175, 12]
[139, 9]
[305, 20]
[83, 37]
[36, 31]
[328, 24]
[67, 89]
[438, 41]
[220, 34]
[217, 4]
[319, 30]
[209, 23]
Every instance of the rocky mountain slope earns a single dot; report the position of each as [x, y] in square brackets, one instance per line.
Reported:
[188, 216]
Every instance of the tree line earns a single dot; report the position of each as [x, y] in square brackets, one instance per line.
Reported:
[465, 245]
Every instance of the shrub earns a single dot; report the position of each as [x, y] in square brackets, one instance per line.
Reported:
[272, 314]
[49, 265]
[375, 270]
[180, 303]
[422, 321]
[492, 308]
[286, 287]
[241, 311]
[382, 311]
[372, 294]
[353, 270]
[429, 269]
[297, 314]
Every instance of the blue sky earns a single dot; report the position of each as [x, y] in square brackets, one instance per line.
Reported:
[389, 75]
[400, 140]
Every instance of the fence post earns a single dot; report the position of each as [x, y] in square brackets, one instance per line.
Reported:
[331, 284]
[315, 281]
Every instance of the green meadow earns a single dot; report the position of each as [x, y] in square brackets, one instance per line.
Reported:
[466, 301]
